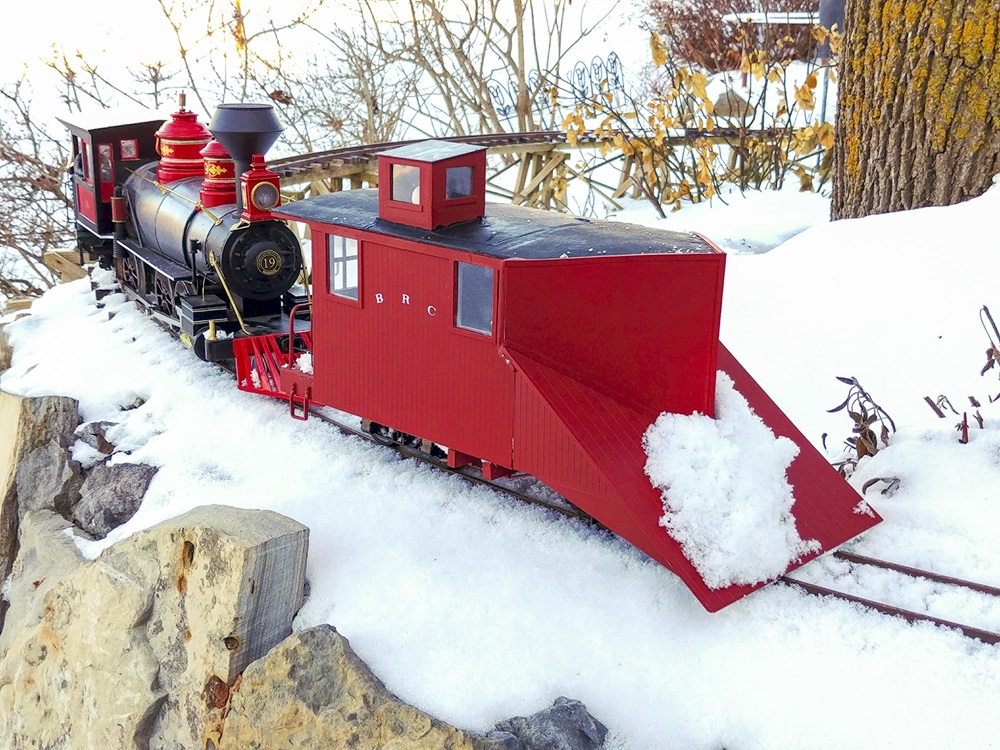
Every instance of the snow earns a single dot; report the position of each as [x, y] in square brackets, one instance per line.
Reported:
[476, 608]
[726, 499]
[304, 363]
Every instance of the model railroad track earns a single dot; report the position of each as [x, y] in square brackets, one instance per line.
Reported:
[559, 505]
[905, 572]
[294, 166]
[467, 473]
[565, 508]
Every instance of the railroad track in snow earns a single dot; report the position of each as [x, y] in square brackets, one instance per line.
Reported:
[905, 574]
[513, 486]
[291, 167]
[899, 577]
[528, 490]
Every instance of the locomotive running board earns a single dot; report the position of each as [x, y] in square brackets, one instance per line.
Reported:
[608, 437]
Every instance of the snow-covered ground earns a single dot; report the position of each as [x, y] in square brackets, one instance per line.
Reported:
[476, 608]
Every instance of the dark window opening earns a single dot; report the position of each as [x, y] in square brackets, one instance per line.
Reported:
[474, 308]
[342, 265]
[85, 161]
[104, 161]
[459, 182]
[130, 149]
[405, 183]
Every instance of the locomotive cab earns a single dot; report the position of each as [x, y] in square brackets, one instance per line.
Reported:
[105, 152]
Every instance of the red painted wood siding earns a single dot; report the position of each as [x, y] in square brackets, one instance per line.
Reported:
[643, 329]
[545, 448]
[86, 204]
[402, 363]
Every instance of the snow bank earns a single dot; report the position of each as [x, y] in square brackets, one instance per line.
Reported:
[475, 608]
[726, 499]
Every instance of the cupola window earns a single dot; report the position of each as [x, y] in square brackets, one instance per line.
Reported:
[458, 182]
[405, 183]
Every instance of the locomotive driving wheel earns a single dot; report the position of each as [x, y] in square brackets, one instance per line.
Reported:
[127, 272]
[163, 293]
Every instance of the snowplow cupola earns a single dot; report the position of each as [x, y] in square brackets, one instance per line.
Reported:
[432, 184]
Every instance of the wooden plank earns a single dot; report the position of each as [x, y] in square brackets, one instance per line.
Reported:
[522, 175]
[554, 161]
[625, 181]
[16, 304]
[66, 263]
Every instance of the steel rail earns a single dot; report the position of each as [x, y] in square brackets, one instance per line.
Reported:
[464, 472]
[289, 166]
[980, 634]
[986, 636]
[982, 588]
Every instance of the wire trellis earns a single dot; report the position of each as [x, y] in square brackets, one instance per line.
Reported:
[585, 82]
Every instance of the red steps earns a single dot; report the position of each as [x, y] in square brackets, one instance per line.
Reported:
[263, 367]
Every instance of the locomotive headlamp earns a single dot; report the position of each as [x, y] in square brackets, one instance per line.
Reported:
[264, 196]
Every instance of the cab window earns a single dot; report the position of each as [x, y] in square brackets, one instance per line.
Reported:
[81, 166]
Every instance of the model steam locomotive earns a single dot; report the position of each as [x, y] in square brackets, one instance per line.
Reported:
[159, 201]
[515, 340]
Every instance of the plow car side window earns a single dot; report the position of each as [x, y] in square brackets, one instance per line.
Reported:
[342, 262]
[474, 307]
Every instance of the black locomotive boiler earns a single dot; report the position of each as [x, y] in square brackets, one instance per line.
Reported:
[183, 213]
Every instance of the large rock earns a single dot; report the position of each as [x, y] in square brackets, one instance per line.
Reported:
[110, 495]
[47, 554]
[565, 725]
[134, 649]
[25, 424]
[313, 691]
[48, 479]
[6, 350]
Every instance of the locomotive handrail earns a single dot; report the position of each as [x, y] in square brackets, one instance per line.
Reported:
[291, 329]
[232, 303]
[164, 189]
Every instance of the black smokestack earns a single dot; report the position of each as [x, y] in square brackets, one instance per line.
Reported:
[245, 130]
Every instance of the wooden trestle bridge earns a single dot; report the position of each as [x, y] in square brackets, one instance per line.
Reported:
[542, 160]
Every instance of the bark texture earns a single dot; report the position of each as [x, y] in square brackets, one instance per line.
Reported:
[918, 120]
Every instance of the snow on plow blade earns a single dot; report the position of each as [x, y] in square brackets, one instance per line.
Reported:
[610, 483]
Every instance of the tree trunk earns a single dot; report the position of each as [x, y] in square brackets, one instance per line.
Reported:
[918, 110]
